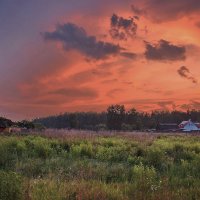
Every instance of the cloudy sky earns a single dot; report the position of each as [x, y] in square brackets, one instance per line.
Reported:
[72, 55]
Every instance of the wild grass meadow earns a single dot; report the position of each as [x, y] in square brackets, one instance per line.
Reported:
[99, 166]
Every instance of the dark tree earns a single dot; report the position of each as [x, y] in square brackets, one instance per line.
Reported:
[4, 123]
[26, 124]
[115, 116]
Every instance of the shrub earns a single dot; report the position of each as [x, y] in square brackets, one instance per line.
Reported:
[141, 172]
[38, 147]
[145, 178]
[140, 152]
[156, 158]
[114, 154]
[83, 150]
[179, 152]
[43, 150]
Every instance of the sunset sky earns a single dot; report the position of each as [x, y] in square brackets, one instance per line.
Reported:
[83, 55]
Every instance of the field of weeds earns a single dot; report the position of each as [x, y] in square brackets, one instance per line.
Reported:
[62, 165]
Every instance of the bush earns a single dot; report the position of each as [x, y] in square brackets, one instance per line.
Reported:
[114, 154]
[145, 178]
[38, 147]
[83, 150]
[179, 152]
[156, 158]
[140, 172]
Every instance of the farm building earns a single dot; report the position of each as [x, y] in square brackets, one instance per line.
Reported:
[167, 127]
[188, 126]
[185, 126]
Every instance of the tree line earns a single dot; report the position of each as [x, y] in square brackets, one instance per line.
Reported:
[6, 123]
[117, 118]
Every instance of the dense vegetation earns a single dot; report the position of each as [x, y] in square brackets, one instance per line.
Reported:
[117, 118]
[5, 122]
[29, 125]
[84, 166]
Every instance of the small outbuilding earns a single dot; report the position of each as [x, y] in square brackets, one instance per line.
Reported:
[188, 126]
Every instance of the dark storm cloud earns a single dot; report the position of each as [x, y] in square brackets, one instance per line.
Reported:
[167, 10]
[185, 73]
[75, 37]
[122, 28]
[164, 51]
[79, 93]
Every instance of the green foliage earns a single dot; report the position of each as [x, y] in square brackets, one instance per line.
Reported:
[52, 190]
[156, 158]
[10, 186]
[115, 116]
[129, 166]
[142, 174]
[83, 150]
[26, 124]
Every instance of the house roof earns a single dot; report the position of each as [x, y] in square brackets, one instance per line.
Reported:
[189, 125]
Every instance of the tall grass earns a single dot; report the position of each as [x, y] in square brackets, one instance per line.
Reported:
[99, 166]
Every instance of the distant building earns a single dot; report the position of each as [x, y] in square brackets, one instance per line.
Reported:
[167, 127]
[185, 126]
[188, 126]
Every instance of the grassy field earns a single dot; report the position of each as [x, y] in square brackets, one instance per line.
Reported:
[90, 166]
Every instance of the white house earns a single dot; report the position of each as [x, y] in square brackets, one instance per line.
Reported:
[188, 126]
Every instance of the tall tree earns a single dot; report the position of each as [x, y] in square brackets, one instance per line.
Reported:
[115, 116]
